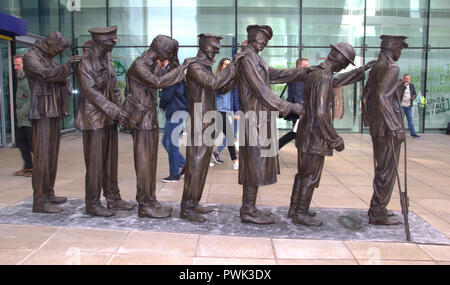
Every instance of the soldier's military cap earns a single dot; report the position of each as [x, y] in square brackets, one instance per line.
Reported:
[267, 30]
[104, 33]
[211, 38]
[389, 41]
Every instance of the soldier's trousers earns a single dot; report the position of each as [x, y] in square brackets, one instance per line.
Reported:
[310, 168]
[45, 136]
[385, 174]
[197, 166]
[145, 147]
[101, 160]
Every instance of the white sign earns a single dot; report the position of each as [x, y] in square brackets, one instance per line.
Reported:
[73, 5]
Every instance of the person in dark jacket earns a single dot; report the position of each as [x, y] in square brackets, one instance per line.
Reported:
[49, 91]
[23, 130]
[408, 95]
[173, 99]
[295, 95]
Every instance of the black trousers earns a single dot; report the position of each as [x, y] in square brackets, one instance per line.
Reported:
[231, 148]
[286, 139]
[23, 142]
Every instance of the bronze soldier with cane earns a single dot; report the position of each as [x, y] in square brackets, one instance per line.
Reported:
[382, 114]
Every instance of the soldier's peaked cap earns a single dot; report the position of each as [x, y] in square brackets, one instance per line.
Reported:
[211, 38]
[389, 41]
[104, 33]
[264, 28]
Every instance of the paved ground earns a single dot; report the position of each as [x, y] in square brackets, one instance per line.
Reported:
[346, 183]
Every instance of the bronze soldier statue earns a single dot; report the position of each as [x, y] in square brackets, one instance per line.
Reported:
[255, 96]
[382, 114]
[202, 86]
[49, 90]
[317, 137]
[98, 116]
[144, 77]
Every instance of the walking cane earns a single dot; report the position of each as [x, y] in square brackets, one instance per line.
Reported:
[403, 195]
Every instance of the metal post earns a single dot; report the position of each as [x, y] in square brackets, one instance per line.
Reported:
[361, 120]
[427, 38]
[11, 95]
[300, 32]
[2, 105]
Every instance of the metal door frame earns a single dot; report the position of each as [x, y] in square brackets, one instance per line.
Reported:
[3, 142]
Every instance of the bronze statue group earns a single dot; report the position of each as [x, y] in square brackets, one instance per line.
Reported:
[100, 112]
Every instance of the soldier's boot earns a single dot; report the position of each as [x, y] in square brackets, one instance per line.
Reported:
[52, 198]
[46, 208]
[302, 216]
[379, 217]
[249, 213]
[192, 215]
[203, 209]
[295, 197]
[95, 208]
[115, 202]
[154, 210]
[386, 212]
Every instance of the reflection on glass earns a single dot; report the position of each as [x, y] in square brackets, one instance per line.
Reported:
[191, 18]
[402, 17]
[331, 21]
[10, 7]
[149, 19]
[42, 17]
[92, 14]
[437, 110]
[439, 23]
[283, 16]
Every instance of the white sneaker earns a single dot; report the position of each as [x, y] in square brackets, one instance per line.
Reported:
[211, 164]
[236, 165]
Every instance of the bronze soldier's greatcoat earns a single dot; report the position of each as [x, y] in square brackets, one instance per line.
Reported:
[98, 113]
[47, 81]
[382, 113]
[202, 86]
[257, 165]
[144, 77]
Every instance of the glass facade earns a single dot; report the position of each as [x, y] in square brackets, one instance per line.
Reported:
[302, 28]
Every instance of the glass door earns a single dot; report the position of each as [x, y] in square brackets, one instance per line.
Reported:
[6, 105]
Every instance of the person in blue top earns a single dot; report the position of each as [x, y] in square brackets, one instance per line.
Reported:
[295, 95]
[173, 99]
[227, 105]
